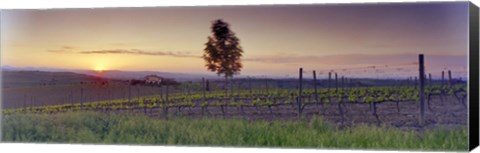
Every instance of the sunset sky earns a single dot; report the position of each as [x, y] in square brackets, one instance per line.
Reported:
[277, 40]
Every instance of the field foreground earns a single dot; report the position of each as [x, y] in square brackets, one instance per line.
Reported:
[133, 128]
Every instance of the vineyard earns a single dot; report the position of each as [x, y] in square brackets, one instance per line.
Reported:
[343, 105]
[412, 103]
[383, 110]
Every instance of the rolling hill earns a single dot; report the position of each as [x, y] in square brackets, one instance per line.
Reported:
[115, 74]
[36, 78]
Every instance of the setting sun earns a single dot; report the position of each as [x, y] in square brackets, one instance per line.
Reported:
[99, 68]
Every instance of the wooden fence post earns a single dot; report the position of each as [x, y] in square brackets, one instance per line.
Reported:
[188, 85]
[415, 83]
[161, 92]
[165, 106]
[232, 84]
[266, 85]
[24, 103]
[299, 101]
[430, 83]
[421, 92]
[315, 85]
[138, 93]
[443, 78]
[207, 85]
[31, 104]
[203, 88]
[81, 98]
[329, 80]
[250, 85]
[450, 83]
[408, 82]
[347, 83]
[336, 82]
[129, 92]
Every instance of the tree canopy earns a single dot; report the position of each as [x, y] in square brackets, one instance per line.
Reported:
[223, 51]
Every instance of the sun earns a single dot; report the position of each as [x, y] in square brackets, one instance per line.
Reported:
[99, 69]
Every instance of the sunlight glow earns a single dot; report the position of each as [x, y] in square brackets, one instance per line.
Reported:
[99, 69]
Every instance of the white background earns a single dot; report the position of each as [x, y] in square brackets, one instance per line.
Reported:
[83, 148]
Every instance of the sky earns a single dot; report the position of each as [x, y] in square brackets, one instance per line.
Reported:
[369, 40]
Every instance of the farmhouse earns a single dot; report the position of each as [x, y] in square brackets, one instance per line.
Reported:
[153, 79]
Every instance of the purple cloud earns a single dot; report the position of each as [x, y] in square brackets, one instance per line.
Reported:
[139, 52]
[66, 49]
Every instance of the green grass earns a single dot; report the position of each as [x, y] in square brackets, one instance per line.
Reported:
[99, 128]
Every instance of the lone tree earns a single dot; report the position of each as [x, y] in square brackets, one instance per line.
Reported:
[222, 52]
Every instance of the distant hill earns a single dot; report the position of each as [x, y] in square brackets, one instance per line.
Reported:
[118, 74]
[36, 78]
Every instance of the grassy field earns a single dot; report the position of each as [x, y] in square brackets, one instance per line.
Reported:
[99, 128]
